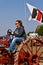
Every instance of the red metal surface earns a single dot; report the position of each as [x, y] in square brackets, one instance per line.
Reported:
[4, 42]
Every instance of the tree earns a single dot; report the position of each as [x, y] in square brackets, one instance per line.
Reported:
[39, 30]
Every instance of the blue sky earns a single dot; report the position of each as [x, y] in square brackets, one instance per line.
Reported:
[11, 10]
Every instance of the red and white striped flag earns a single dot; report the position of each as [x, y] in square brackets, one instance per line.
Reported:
[36, 14]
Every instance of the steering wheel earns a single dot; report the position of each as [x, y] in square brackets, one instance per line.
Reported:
[9, 32]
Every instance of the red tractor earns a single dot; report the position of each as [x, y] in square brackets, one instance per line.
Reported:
[29, 52]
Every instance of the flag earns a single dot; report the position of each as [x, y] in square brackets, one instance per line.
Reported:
[36, 14]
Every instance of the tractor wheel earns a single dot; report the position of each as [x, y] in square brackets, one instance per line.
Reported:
[26, 50]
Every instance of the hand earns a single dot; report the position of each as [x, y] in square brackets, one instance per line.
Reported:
[12, 33]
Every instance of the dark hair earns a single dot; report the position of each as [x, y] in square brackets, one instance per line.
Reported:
[19, 21]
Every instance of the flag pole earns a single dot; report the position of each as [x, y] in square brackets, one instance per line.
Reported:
[25, 10]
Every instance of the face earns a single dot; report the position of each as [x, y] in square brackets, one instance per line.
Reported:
[17, 24]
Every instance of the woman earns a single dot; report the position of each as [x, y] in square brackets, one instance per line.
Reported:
[19, 34]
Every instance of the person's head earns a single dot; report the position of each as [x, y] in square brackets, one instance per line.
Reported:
[18, 23]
